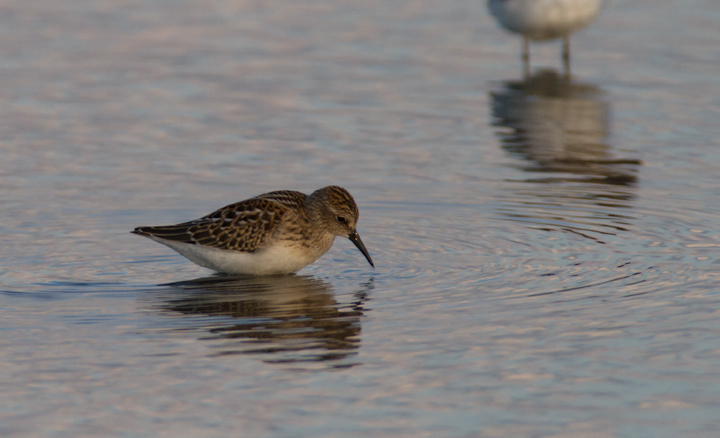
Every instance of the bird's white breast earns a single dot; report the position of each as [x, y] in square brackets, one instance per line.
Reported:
[544, 19]
[276, 259]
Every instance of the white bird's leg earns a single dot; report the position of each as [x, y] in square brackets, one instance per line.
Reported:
[526, 57]
[566, 55]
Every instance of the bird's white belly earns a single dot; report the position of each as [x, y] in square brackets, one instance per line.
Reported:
[545, 19]
[276, 259]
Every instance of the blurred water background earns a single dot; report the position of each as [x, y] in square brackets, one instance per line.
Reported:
[546, 251]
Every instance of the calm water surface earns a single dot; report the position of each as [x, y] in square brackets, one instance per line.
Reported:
[546, 251]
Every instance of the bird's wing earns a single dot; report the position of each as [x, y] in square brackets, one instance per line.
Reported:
[289, 198]
[242, 226]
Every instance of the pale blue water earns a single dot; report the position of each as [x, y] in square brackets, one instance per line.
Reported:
[547, 253]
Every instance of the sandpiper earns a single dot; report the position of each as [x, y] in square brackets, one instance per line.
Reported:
[275, 233]
[543, 20]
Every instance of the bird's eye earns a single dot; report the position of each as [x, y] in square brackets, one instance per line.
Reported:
[341, 219]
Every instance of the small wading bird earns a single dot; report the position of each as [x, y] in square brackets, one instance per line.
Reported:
[274, 233]
[544, 20]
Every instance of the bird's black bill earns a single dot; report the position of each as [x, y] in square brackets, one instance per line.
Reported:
[355, 238]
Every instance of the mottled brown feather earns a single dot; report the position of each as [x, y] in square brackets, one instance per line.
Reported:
[289, 198]
[241, 226]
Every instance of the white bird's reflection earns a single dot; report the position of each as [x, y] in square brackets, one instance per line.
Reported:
[560, 129]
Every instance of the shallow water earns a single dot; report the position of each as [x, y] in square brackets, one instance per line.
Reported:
[546, 252]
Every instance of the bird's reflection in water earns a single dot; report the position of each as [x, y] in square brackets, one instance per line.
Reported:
[560, 129]
[284, 319]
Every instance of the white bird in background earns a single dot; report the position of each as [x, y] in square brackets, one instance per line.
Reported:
[543, 20]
